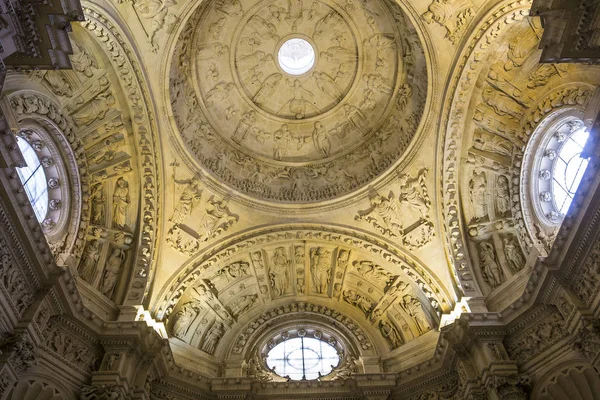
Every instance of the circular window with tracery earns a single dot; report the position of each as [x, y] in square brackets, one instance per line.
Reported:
[303, 358]
[560, 168]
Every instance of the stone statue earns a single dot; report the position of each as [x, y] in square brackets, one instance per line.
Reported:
[491, 271]
[184, 317]
[212, 338]
[95, 109]
[243, 304]
[320, 268]
[111, 272]
[512, 252]
[478, 193]
[121, 202]
[190, 196]
[502, 197]
[413, 193]
[413, 307]
[279, 273]
[87, 269]
[321, 139]
[390, 333]
[98, 201]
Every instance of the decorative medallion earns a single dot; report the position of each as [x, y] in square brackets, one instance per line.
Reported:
[293, 101]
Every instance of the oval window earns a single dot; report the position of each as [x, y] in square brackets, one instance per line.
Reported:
[33, 178]
[303, 358]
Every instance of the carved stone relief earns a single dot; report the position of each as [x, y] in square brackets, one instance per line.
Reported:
[255, 122]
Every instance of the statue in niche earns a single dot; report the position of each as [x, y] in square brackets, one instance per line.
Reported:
[390, 333]
[202, 292]
[98, 201]
[234, 270]
[217, 218]
[478, 194]
[212, 338]
[320, 268]
[189, 197]
[211, 51]
[267, 89]
[501, 103]
[513, 254]
[95, 109]
[87, 269]
[58, 83]
[243, 304]
[373, 272]
[491, 271]
[343, 258]
[355, 118]
[413, 193]
[321, 139]
[219, 93]
[257, 260]
[112, 270]
[244, 126]
[279, 273]
[383, 213]
[184, 317]
[301, 99]
[82, 62]
[491, 143]
[412, 306]
[299, 255]
[328, 86]
[121, 202]
[502, 197]
[357, 300]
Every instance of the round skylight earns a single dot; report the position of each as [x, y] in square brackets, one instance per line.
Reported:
[303, 358]
[296, 56]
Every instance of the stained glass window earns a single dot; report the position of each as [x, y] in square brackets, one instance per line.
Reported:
[303, 358]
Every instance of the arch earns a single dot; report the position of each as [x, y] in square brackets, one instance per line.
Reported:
[574, 380]
[35, 388]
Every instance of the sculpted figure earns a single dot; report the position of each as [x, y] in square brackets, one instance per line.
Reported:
[263, 28]
[513, 254]
[94, 110]
[491, 143]
[210, 51]
[82, 62]
[453, 15]
[189, 197]
[229, 7]
[87, 269]
[98, 200]
[412, 192]
[294, 13]
[111, 272]
[219, 93]
[383, 213]
[299, 255]
[121, 202]
[282, 139]
[390, 333]
[478, 193]
[502, 195]
[321, 139]
[491, 271]
[373, 272]
[413, 307]
[355, 117]
[212, 338]
[243, 304]
[279, 273]
[217, 218]
[58, 83]
[244, 126]
[501, 103]
[184, 317]
[301, 99]
[267, 88]
[342, 259]
[328, 86]
[326, 24]
[357, 300]
[338, 55]
[320, 268]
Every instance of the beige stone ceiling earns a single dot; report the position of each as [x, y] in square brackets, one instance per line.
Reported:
[373, 191]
